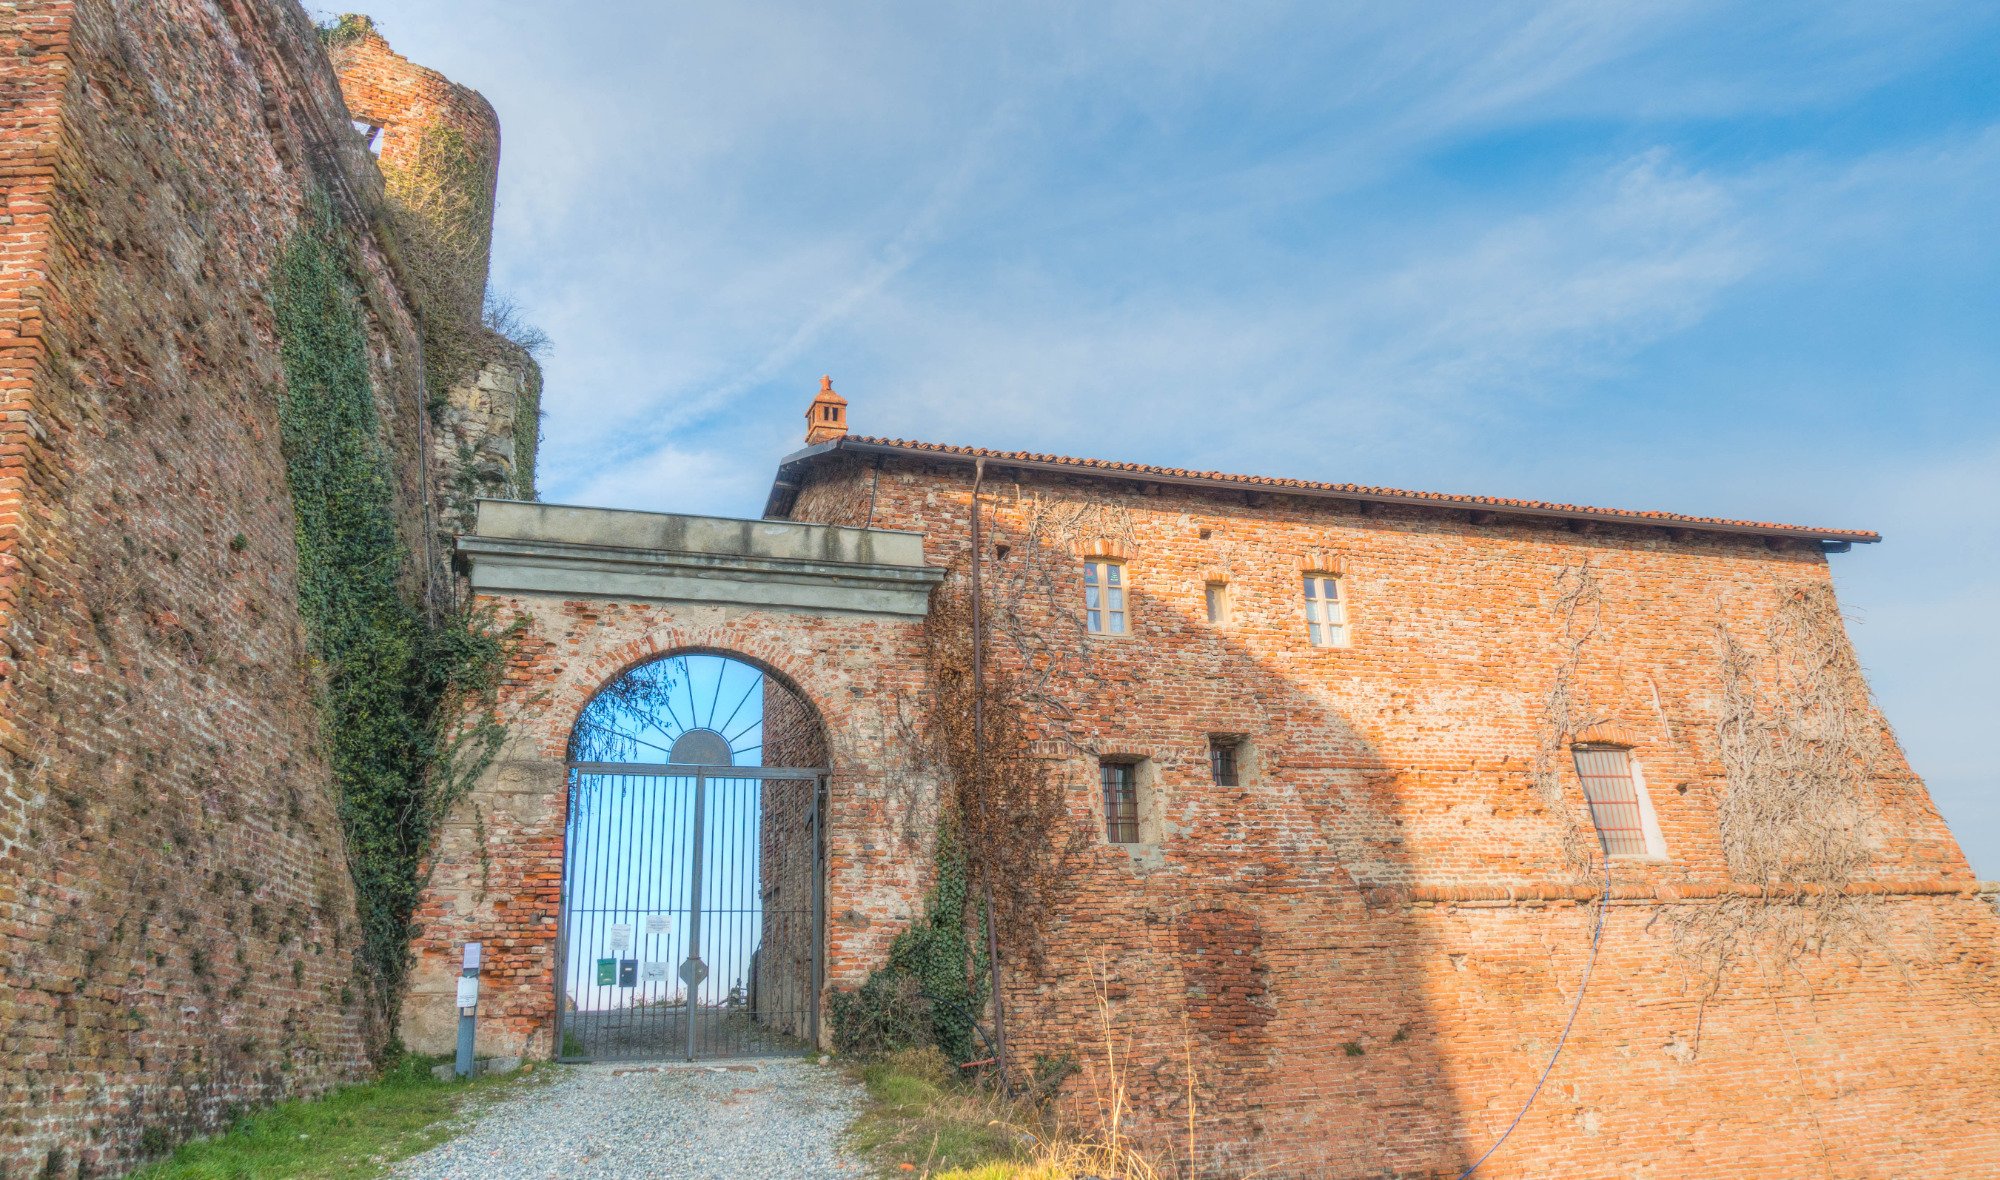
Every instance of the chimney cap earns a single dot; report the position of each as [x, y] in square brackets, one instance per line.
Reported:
[826, 417]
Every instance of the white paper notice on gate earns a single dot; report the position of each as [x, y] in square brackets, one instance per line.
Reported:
[621, 936]
[656, 923]
[653, 973]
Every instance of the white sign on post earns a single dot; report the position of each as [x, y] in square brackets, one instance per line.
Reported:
[621, 936]
[654, 973]
[468, 991]
[656, 923]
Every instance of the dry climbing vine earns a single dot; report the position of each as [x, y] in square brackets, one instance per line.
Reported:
[1799, 749]
[1566, 712]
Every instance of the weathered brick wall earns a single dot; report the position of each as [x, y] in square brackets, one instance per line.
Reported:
[499, 869]
[1367, 950]
[787, 842]
[177, 930]
[406, 102]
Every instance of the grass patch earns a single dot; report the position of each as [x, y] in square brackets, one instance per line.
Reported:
[355, 1131]
[923, 1121]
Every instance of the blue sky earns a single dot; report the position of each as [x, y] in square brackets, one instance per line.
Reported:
[1718, 258]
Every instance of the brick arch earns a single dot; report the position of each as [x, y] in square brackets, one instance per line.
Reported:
[582, 683]
[1609, 734]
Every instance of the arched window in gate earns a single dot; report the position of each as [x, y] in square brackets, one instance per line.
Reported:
[691, 910]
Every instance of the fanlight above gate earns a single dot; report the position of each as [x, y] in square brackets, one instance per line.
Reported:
[696, 709]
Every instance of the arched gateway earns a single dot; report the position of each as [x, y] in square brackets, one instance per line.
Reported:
[687, 836]
[691, 921]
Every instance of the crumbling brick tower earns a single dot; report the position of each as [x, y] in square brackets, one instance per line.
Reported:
[438, 144]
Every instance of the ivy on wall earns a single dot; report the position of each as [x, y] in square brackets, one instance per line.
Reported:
[528, 433]
[395, 682]
[935, 982]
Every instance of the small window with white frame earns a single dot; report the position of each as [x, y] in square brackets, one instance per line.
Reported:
[1326, 610]
[1619, 807]
[1104, 596]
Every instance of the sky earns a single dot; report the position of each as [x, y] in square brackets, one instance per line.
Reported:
[1730, 259]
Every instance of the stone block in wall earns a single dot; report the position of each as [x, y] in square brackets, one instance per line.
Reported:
[487, 428]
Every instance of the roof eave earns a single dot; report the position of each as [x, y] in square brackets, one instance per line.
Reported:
[784, 489]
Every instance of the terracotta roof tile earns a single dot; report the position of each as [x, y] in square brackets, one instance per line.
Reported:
[1110, 467]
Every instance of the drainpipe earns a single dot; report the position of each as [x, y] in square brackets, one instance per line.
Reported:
[979, 766]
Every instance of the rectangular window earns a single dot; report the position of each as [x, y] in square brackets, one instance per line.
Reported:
[1121, 802]
[1218, 603]
[1224, 754]
[1326, 614]
[1104, 596]
[1613, 795]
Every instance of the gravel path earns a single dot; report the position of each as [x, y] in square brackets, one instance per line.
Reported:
[740, 1121]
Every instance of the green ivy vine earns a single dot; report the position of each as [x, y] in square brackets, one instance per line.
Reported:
[935, 982]
[395, 682]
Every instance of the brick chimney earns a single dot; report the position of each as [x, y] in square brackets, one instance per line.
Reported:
[826, 417]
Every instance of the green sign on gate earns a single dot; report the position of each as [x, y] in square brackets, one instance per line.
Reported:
[607, 972]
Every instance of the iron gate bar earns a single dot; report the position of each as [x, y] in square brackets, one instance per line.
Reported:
[688, 981]
[628, 824]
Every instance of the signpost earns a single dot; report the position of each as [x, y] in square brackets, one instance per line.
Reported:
[468, 1007]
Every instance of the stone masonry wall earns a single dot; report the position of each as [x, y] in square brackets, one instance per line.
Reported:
[1366, 951]
[474, 446]
[177, 930]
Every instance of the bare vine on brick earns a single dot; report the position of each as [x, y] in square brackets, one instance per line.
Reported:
[1566, 712]
[1001, 809]
[1005, 799]
[1799, 750]
[1034, 608]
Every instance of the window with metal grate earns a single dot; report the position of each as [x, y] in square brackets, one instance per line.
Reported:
[1224, 755]
[1615, 805]
[1121, 801]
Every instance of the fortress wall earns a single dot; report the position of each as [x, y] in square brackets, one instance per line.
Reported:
[177, 924]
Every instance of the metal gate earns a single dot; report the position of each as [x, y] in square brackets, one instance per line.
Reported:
[691, 912]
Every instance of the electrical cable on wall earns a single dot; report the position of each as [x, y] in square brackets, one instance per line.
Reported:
[1596, 936]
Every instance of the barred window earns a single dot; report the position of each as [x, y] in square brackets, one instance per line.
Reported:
[1616, 807]
[1224, 761]
[1326, 612]
[1121, 802]
[1104, 596]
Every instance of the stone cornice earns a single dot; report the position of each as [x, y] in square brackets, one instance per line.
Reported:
[523, 548]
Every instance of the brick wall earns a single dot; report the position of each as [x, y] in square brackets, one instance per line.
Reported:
[1368, 949]
[177, 931]
[787, 863]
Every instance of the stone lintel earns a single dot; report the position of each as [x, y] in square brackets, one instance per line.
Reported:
[526, 548]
